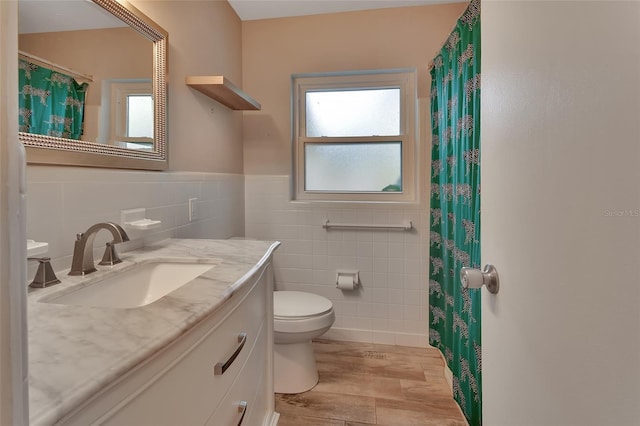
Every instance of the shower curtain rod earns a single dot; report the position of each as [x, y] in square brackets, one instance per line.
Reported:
[430, 66]
[55, 67]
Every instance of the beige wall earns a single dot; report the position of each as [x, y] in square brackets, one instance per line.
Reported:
[115, 53]
[273, 49]
[205, 38]
[391, 305]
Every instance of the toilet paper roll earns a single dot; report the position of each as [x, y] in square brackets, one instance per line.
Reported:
[346, 282]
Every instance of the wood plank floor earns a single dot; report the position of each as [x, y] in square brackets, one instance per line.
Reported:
[367, 384]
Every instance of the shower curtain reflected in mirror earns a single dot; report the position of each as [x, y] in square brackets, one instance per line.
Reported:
[50, 103]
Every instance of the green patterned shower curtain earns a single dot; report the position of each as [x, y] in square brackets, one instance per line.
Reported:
[50, 103]
[455, 209]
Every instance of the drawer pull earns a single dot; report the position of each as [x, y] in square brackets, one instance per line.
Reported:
[242, 409]
[221, 367]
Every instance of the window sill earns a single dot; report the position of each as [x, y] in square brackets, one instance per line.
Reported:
[357, 204]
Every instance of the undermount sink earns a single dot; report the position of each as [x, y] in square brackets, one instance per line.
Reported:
[138, 286]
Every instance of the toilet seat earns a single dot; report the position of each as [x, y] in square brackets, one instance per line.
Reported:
[296, 312]
[289, 305]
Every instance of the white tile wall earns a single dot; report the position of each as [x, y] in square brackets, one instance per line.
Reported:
[391, 306]
[63, 201]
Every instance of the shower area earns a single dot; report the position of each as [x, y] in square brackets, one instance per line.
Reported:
[454, 312]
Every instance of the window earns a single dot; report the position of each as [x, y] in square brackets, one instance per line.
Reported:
[132, 118]
[354, 136]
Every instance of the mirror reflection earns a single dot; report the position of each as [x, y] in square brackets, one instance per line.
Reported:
[84, 75]
[112, 73]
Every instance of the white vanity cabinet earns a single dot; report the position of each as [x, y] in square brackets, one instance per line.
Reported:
[219, 372]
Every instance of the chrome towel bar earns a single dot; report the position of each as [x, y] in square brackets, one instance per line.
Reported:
[407, 226]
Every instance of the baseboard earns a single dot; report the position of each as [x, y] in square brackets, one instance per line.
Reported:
[380, 337]
[272, 420]
[448, 375]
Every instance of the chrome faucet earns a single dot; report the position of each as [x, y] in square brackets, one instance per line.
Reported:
[82, 262]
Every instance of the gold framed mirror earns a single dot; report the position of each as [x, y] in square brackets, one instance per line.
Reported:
[109, 151]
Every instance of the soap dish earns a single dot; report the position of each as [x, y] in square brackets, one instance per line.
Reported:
[135, 219]
[36, 248]
[143, 224]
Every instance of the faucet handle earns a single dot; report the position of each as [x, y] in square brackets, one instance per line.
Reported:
[45, 276]
[110, 256]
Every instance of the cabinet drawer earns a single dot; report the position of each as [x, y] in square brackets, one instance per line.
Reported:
[244, 390]
[188, 392]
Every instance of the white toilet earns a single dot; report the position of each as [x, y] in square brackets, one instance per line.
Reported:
[298, 318]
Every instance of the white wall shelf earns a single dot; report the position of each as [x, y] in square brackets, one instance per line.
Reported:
[219, 87]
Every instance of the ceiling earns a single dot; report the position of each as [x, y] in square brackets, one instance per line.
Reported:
[68, 15]
[38, 16]
[249, 10]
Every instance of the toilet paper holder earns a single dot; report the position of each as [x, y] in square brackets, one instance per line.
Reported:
[347, 280]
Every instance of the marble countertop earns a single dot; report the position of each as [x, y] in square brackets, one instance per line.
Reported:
[75, 351]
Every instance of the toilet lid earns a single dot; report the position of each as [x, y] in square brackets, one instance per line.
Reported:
[296, 304]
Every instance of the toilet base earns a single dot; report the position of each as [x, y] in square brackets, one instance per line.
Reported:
[294, 367]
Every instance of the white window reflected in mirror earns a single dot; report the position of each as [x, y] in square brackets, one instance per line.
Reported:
[130, 114]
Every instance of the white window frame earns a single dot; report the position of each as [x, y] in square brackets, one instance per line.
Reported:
[405, 80]
[120, 91]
